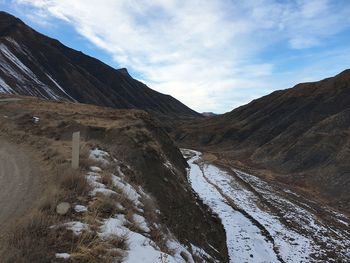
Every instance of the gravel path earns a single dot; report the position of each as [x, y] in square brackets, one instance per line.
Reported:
[20, 184]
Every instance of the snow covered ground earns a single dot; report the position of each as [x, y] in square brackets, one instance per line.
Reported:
[264, 223]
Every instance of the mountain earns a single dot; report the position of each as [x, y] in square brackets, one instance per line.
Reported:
[32, 64]
[302, 134]
[208, 114]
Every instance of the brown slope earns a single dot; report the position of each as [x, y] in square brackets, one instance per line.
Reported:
[35, 65]
[302, 133]
[131, 136]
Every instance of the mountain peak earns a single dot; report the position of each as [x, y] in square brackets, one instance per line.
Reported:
[124, 71]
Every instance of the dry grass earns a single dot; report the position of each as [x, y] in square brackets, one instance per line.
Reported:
[97, 253]
[209, 157]
[34, 240]
[90, 248]
[105, 205]
[70, 185]
[85, 162]
[131, 224]
[31, 239]
[120, 242]
[73, 182]
[106, 178]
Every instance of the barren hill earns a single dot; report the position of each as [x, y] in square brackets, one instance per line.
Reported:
[301, 134]
[32, 64]
[141, 155]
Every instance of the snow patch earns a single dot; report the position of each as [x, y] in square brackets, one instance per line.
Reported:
[127, 189]
[141, 222]
[95, 169]
[169, 166]
[99, 156]
[76, 226]
[62, 255]
[59, 87]
[22, 73]
[80, 208]
[141, 248]
[4, 88]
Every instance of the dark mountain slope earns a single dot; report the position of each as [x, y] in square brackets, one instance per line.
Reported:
[302, 133]
[35, 65]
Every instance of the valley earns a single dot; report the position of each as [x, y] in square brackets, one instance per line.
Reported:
[268, 223]
[158, 182]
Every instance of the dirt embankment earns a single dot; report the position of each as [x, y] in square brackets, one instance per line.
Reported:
[133, 137]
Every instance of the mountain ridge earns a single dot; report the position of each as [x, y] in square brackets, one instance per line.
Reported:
[36, 65]
[301, 134]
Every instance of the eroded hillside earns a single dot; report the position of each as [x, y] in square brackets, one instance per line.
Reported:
[299, 136]
[140, 154]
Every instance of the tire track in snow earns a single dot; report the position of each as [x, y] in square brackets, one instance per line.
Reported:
[255, 222]
[297, 231]
[245, 240]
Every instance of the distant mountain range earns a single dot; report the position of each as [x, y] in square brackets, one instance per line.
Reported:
[208, 114]
[302, 133]
[35, 65]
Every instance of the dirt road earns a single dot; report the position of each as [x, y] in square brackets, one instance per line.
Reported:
[20, 184]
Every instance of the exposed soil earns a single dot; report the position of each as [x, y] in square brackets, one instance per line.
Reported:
[134, 138]
[20, 183]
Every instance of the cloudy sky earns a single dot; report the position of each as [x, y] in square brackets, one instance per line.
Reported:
[213, 55]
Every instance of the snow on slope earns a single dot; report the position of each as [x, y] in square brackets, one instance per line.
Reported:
[323, 237]
[4, 88]
[26, 81]
[244, 240]
[141, 248]
[280, 216]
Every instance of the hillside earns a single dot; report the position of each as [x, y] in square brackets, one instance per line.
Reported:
[299, 135]
[32, 64]
[131, 188]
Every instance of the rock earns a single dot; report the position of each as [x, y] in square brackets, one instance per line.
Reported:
[63, 208]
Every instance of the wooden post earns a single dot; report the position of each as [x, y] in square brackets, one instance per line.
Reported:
[75, 150]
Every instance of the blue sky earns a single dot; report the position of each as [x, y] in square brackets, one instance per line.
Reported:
[212, 55]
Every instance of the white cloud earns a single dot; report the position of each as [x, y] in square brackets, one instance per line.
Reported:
[201, 52]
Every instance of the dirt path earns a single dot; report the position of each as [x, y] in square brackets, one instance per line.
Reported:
[20, 184]
[263, 219]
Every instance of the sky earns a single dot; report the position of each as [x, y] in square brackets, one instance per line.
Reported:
[212, 55]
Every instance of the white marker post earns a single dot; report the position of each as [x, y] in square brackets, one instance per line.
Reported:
[75, 150]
